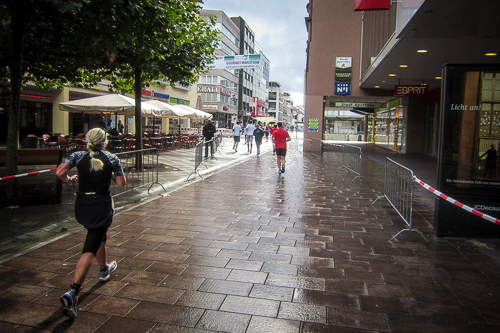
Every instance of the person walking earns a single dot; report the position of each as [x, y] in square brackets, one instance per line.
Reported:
[209, 131]
[236, 135]
[94, 208]
[258, 134]
[249, 134]
[266, 131]
[272, 129]
[491, 162]
[280, 137]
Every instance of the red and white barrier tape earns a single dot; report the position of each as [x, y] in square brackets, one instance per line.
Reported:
[27, 174]
[457, 203]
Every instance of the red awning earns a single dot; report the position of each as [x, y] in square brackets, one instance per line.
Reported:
[371, 4]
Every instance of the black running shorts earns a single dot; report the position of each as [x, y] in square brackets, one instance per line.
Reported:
[281, 152]
[95, 237]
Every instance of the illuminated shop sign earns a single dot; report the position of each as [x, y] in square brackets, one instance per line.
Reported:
[410, 90]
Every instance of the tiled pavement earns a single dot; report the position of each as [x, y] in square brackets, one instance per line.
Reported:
[247, 250]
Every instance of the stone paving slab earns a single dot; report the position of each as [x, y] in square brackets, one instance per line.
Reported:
[248, 250]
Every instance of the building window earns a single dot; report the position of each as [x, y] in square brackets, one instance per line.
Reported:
[226, 49]
[209, 79]
[225, 31]
[209, 97]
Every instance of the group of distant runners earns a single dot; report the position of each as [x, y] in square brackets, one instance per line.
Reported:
[278, 134]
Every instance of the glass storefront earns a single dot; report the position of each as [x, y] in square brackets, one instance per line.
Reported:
[388, 129]
[344, 125]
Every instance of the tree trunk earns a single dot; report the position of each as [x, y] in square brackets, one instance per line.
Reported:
[138, 116]
[16, 77]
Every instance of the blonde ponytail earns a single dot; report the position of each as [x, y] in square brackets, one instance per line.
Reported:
[96, 141]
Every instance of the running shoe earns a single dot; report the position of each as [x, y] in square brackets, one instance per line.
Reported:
[70, 302]
[279, 171]
[104, 275]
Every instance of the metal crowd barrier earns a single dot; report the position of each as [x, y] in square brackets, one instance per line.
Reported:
[293, 145]
[316, 147]
[217, 143]
[198, 159]
[147, 174]
[351, 160]
[398, 190]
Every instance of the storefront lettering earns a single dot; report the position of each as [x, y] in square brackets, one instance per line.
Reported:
[225, 91]
[463, 107]
[410, 90]
[207, 89]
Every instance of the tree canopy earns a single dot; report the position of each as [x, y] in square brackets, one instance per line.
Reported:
[55, 43]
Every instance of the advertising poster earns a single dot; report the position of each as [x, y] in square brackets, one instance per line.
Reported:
[468, 165]
[313, 124]
[237, 61]
[470, 130]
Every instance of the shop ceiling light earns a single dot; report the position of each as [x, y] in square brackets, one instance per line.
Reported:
[422, 51]
[490, 54]
[392, 74]
[377, 86]
[403, 66]
[438, 77]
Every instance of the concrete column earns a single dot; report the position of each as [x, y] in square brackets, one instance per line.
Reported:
[314, 110]
[60, 119]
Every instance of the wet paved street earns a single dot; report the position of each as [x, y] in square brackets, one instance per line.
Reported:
[248, 250]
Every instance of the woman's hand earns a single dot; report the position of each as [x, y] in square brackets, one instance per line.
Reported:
[72, 180]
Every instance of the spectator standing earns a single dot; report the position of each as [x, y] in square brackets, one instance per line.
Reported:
[110, 126]
[102, 123]
[249, 134]
[94, 208]
[280, 137]
[236, 134]
[258, 134]
[120, 127]
[209, 131]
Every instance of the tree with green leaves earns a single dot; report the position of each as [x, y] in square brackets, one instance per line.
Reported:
[160, 40]
[56, 43]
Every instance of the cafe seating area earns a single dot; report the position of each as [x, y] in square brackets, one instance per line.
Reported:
[162, 142]
[116, 144]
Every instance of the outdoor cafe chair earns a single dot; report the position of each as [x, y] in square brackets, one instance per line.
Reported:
[63, 143]
[157, 142]
[168, 142]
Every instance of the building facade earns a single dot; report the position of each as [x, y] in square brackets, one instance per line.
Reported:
[253, 83]
[219, 87]
[40, 113]
[421, 76]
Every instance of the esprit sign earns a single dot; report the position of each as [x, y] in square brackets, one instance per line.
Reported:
[410, 90]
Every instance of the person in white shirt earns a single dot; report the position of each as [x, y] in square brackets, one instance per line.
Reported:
[236, 134]
[249, 133]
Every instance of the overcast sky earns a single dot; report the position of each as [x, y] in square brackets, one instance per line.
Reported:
[280, 30]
